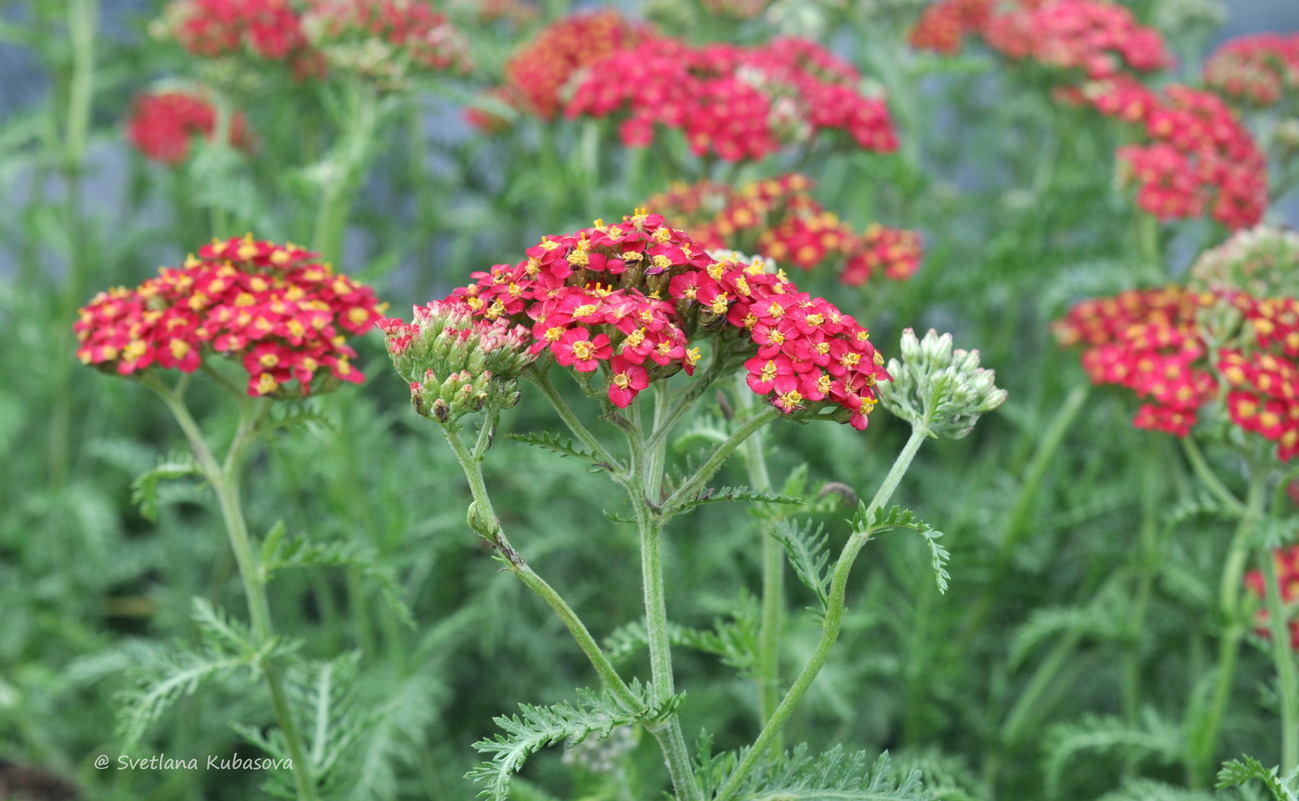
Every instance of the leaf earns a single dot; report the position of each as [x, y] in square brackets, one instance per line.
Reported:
[1100, 619]
[1238, 771]
[1151, 790]
[836, 775]
[279, 553]
[809, 555]
[898, 517]
[711, 495]
[144, 490]
[734, 640]
[539, 726]
[1153, 736]
[556, 444]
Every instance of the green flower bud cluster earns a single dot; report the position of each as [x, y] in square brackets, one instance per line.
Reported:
[939, 387]
[456, 364]
[1262, 261]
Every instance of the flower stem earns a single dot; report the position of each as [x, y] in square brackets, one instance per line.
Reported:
[1203, 737]
[224, 479]
[720, 453]
[1283, 658]
[346, 169]
[483, 518]
[831, 624]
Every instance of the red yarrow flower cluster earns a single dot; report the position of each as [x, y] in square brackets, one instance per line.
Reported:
[740, 103]
[538, 73]
[162, 125]
[1287, 575]
[1256, 70]
[265, 29]
[275, 310]
[944, 25]
[1198, 155]
[779, 218]
[1146, 341]
[1179, 348]
[1098, 38]
[632, 299]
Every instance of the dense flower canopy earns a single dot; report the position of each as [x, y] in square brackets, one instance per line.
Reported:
[632, 301]
[738, 103]
[273, 309]
[1232, 334]
[1259, 69]
[779, 219]
[163, 123]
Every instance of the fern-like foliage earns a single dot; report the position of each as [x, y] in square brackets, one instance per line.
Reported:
[1152, 737]
[1247, 768]
[836, 775]
[281, 552]
[163, 675]
[144, 489]
[539, 726]
[556, 444]
[713, 495]
[294, 415]
[809, 555]
[1151, 790]
[898, 517]
[1099, 619]
[734, 640]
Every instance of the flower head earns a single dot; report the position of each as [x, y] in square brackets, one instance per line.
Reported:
[1258, 70]
[273, 309]
[939, 387]
[263, 30]
[384, 40]
[163, 123]
[631, 302]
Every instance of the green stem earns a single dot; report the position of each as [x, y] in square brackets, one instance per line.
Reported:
[1283, 658]
[483, 518]
[1204, 733]
[646, 481]
[224, 479]
[720, 454]
[346, 166]
[574, 423]
[831, 624]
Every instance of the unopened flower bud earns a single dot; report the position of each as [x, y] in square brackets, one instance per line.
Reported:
[939, 387]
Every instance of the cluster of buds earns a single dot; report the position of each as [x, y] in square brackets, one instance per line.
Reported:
[1232, 334]
[384, 40]
[162, 125]
[629, 302]
[455, 363]
[1287, 575]
[740, 103]
[1098, 38]
[275, 310]
[779, 219]
[938, 387]
[1257, 70]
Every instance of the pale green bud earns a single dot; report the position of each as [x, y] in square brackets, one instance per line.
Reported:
[939, 387]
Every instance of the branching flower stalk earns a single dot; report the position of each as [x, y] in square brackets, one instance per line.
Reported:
[224, 476]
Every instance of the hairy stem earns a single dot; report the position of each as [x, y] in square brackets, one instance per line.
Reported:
[831, 624]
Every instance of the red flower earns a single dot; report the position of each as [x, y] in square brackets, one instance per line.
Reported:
[625, 380]
[163, 123]
[272, 309]
[1258, 69]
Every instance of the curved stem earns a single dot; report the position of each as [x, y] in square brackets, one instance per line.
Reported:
[720, 454]
[1283, 658]
[831, 624]
[575, 425]
[1204, 736]
[224, 479]
[1206, 475]
[487, 526]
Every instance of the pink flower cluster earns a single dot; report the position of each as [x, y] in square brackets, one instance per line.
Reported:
[780, 219]
[265, 29]
[1197, 153]
[1287, 575]
[741, 103]
[1257, 69]
[631, 298]
[1098, 38]
[162, 125]
[273, 309]
[944, 24]
[300, 33]
[537, 74]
